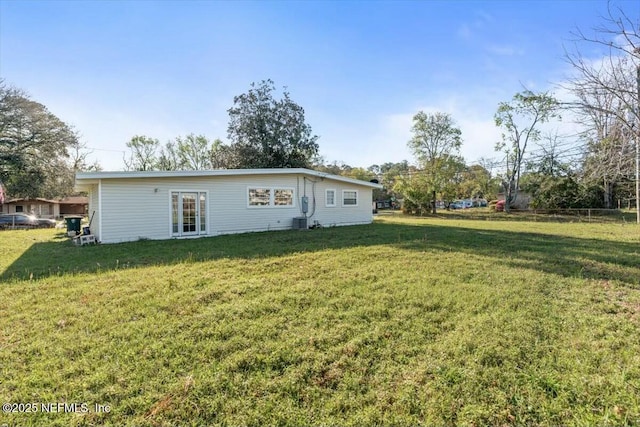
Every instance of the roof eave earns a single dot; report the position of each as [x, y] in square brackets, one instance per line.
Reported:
[83, 179]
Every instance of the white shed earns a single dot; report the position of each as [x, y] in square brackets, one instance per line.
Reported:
[128, 206]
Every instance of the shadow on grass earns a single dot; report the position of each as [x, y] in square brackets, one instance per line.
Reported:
[560, 255]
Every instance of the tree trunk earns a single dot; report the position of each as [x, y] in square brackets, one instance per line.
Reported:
[508, 197]
[608, 194]
[433, 202]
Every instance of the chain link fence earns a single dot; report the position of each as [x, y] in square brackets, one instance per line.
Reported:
[587, 215]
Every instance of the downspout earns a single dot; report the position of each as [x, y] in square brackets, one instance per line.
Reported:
[304, 194]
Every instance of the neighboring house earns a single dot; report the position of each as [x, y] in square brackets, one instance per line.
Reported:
[45, 208]
[74, 205]
[42, 208]
[127, 206]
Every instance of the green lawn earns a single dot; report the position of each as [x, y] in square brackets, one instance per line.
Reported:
[404, 322]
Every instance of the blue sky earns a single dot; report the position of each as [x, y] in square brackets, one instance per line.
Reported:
[360, 69]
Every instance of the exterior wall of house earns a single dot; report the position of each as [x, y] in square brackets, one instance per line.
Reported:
[338, 213]
[72, 209]
[140, 208]
[33, 207]
[95, 211]
[11, 207]
[230, 211]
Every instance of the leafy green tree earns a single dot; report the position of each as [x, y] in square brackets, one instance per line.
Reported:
[453, 173]
[168, 159]
[477, 182]
[519, 121]
[222, 156]
[34, 147]
[435, 140]
[415, 188]
[266, 132]
[561, 191]
[554, 184]
[361, 174]
[194, 152]
[191, 152]
[389, 173]
[334, 168]
[143, 154]
[416, 194]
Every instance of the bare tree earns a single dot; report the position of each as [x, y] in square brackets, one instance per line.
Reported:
[606, 96]
[78, 156]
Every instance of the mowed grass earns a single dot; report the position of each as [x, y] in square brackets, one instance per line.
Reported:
[404, 322]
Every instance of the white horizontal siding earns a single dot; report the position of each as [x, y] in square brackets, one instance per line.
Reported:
[329, 216]
[94, 212]
[135, 209]
[230, 212]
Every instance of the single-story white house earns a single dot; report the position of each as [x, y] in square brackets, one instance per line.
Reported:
[128, 206]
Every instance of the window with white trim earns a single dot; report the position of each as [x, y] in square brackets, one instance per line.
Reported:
[259, 196]
[330, 197]
[349, 197]
[283, 197]
[280, 197]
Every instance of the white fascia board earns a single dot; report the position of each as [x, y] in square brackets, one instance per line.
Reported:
[86, 178]
[345, 179]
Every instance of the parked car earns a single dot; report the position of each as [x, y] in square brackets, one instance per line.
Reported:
[46, 222]
[18, 220]
[457, 204]
[21, 220]
[466, 204]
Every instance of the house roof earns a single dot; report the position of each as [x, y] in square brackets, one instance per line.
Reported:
[69, 200]
[74, 200]
[32, 199]
[87, 178]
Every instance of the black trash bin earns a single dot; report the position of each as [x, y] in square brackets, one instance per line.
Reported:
[73, 224]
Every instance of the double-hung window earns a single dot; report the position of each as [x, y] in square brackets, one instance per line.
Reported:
[349, 198]
[330, 198]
